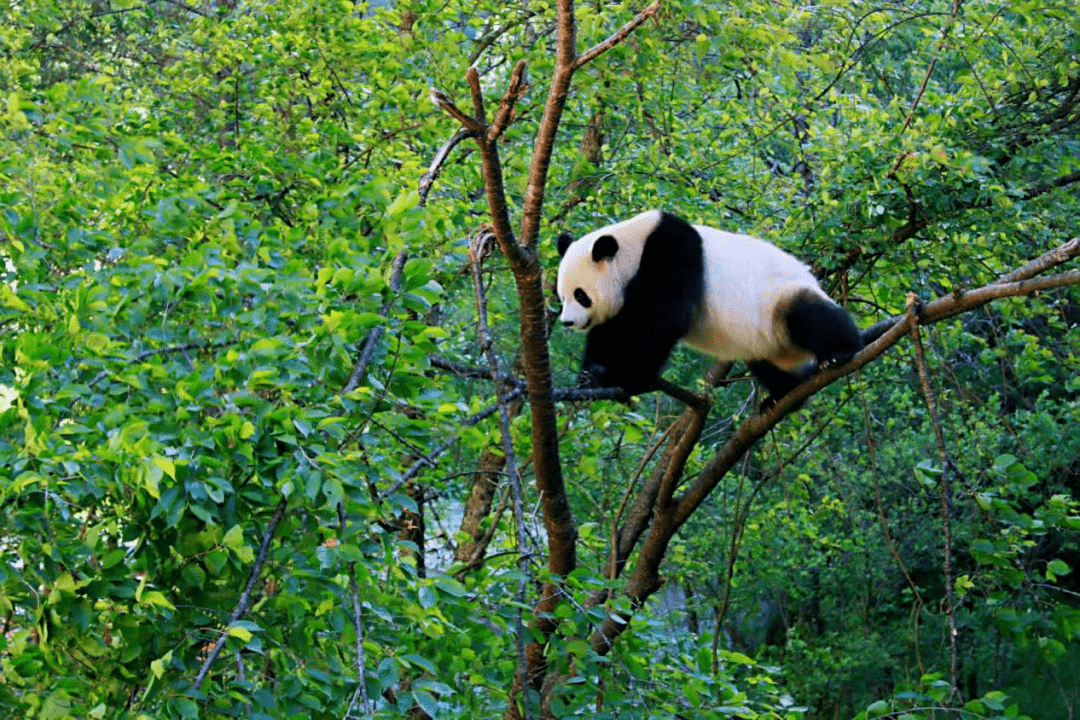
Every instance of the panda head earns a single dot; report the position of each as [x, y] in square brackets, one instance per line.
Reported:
[594, 270]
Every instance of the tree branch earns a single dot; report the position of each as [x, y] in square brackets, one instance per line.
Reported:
[442, 100]
[645, 579]
[623, 32]
[504, 114]
[476, 255]
[372, 340]
[437, 162]
[442, 447]
[944, 489]
[245, 596]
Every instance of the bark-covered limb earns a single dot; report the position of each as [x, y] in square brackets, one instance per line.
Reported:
[565, 58]
[623, 32]
[504, 114]
[245, 596]
[494, 187]
[372, 340]
[645, 578]
[472, 76]
[550, 483]
[488, 347]
[442, 100]
[653, 501]
[524, 262]
[944, 489]
[1061, 254]
[427, 180]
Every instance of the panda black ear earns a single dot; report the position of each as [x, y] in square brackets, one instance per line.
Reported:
[605, 246]
[564, 242]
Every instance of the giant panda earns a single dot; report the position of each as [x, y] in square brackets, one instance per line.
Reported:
[639, 286]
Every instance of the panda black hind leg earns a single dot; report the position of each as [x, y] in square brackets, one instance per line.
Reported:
[822, 327]
[778, 382]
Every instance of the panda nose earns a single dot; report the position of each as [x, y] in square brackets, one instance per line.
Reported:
[567, 323]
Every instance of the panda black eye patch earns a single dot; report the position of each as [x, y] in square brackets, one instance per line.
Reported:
[584, 300]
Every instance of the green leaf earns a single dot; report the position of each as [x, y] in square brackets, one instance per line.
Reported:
[426, 702]
[240, 632]
[1056, 568]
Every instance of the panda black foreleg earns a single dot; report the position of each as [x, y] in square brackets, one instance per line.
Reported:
[616, 356]
[824, 328]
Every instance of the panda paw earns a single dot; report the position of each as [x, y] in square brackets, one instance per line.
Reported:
[832, 361]
[591, 376]
[769, 403]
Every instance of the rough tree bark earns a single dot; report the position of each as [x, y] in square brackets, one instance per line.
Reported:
[524, 262]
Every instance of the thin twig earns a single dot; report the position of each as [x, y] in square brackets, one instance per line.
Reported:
[245, 596]
[165, 351]
[929, 72]
[600, 48]
[359, 370]
[429, 459]
[427, 180]
[945, 490]
[358, 627]
[372, 340]
[476, 257]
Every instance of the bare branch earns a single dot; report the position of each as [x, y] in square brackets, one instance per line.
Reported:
[944, 488]
[504, 114]
[372, 340]
[428, 178]
[565, 58]
[1044, 262]
[488, 346]
[245, 596]
[443, 101]
[472, 76]
[601, 48]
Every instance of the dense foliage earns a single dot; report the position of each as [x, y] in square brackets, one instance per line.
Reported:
[235, 349]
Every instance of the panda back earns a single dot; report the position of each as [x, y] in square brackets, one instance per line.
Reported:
[746, 281]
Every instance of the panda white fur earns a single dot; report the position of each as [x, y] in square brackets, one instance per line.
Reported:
[639, 286]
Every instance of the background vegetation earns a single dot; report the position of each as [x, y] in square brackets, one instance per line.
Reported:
[250, 451]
